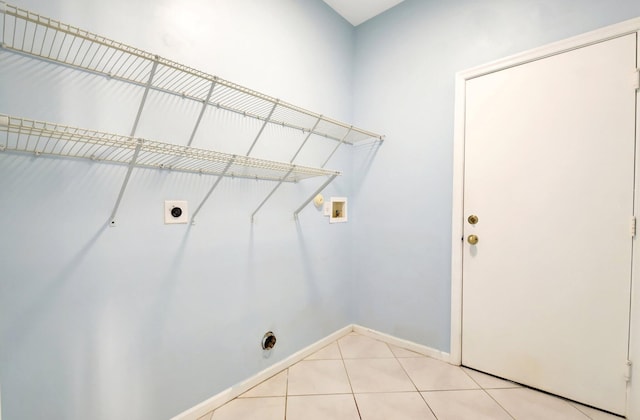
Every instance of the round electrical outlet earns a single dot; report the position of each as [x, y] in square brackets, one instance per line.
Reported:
[176, 212]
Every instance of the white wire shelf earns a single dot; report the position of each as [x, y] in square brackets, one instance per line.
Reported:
[44, 138]
[29, 33]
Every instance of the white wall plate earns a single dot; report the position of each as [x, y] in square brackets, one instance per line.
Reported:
[326, 210]
[175, 212]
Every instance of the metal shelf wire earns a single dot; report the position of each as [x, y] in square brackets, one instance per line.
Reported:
[29, 33]
[44, 138]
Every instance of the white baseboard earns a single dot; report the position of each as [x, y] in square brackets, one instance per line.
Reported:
[230, 393]
[406, 344]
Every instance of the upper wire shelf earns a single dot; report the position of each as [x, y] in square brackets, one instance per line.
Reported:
[27, 32]
[43, 138]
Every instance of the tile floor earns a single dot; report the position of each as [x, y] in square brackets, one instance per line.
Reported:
[360, 378]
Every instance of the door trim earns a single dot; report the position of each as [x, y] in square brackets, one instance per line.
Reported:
[599, 35]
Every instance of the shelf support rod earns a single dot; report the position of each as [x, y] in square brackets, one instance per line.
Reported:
[336, 148]
[271, 193]
[288, 173]
[132, 164]
[318, 191]
[306, 138]
[215, 185]
[204, 107]
[144, 97]
[262, 128]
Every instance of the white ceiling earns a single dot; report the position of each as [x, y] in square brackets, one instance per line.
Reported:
[359, 11]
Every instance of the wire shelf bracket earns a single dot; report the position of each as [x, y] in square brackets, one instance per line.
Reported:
[213, 187]
[264, 124]
[306, 139]
[112, 218]
[125, 182]
[270, 194]
[335, 149]
[202, 110]
[318, 191]
[152, 73]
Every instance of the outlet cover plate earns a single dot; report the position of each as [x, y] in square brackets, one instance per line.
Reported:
[169, 206]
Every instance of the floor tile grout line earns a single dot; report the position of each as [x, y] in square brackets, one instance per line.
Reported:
[374, 392]
[498, 402]
[577, 405]
[569, 402]
[451, 390]
[415, 386]
[428, 406]
[424, 390]
[588, 416]
[539, 391]
[286, 394]
[573, 404]
[321, 394]
[486, 392]
[323, 348]
[471, 377]
[407, 373]
[353, 394]
[372, 358]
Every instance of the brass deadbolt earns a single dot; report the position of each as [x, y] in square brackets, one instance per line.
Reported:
[473, 219]
[472, 239]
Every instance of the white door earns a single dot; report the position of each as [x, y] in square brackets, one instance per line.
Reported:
[549, 173]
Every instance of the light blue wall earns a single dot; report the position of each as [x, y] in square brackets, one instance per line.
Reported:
[143, 321]
[146, 320]
[406, 60]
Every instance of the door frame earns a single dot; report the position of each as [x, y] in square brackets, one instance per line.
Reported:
[457, 243]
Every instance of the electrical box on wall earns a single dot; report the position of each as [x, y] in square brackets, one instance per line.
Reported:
[175, 212]
[338, 210]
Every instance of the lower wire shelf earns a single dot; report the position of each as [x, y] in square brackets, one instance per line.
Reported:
[23, 135]
[45, 138]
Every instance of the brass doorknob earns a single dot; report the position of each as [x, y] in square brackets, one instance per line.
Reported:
[472, 239]
[473, 219]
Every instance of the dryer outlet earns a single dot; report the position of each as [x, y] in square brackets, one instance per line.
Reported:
[175, 211]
